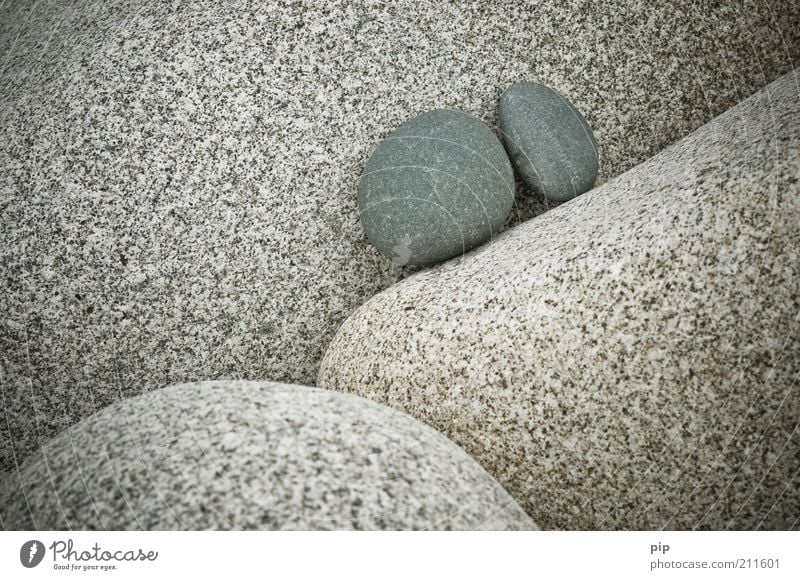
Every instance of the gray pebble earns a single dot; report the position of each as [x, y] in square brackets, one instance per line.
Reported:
[550, 143]
[436, 187]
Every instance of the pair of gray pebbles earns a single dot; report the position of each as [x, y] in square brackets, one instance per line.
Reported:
[442, 183]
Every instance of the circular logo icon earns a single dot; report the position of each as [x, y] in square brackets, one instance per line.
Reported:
[31, 553]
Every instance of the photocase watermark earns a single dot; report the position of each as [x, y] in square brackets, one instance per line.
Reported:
[402, 251]
[31, 553]
[67, 557]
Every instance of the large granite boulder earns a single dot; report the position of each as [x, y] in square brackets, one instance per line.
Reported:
[179, 179]
[253, 455]
[630, 358]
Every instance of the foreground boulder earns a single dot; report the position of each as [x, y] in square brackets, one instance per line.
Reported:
[253, 455]
[630, 358]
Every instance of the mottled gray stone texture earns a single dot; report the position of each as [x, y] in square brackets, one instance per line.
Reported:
[630, 358]
[178, 180]
[437, 186]
[254, 455]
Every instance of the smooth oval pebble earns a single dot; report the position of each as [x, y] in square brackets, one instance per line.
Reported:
[253, 455]
[439, 185]
[550, 143]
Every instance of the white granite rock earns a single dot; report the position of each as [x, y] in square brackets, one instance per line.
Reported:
[178, 179]
[253, 455]
[629, 359]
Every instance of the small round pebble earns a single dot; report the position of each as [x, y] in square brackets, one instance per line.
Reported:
[550, 143]
[439, 185]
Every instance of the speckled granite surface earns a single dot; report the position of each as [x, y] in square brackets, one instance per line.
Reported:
[629, 359]
[254, 455]
[178, 179]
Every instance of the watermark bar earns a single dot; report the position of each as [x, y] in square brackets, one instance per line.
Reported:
[371, 555]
